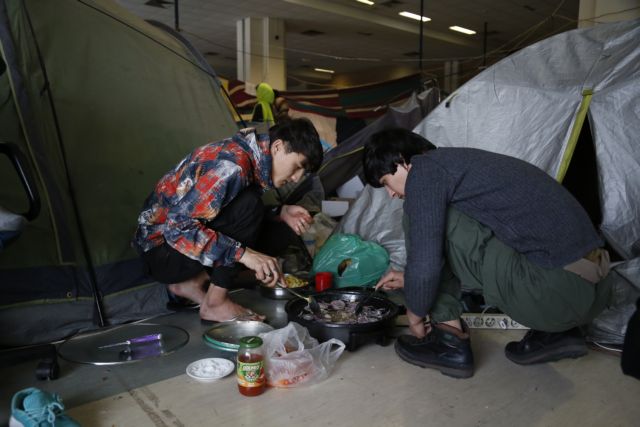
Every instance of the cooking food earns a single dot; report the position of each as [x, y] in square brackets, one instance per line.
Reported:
[344, 312]
[293, 281]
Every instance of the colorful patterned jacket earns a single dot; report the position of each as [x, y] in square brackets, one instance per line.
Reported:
[195, 191]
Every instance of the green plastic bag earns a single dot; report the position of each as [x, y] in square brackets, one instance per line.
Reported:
[353, 261]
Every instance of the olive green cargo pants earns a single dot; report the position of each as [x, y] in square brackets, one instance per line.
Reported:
[551, 300]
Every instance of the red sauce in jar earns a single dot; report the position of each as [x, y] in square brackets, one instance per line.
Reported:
[250, 370]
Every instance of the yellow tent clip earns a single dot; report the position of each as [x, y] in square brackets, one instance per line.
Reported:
[575, 133]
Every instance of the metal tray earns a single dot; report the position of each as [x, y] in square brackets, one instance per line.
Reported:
[226, 335]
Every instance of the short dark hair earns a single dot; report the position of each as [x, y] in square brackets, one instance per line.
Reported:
[389, 148]
[299, 136]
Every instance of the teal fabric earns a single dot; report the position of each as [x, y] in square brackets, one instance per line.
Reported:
[551, 300]
[32, 407]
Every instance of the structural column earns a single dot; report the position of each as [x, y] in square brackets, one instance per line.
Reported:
[451, 72]
[261, 54]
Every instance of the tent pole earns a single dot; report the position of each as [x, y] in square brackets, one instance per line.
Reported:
[421, 31]
[244, 124]
[176, 15]
[484, 45]
[83, 237]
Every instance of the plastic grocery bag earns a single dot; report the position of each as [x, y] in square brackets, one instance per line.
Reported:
[294, 358]
[353, 261]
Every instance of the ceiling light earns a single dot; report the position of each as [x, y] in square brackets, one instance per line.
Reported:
[462, 30]
[324, 70]
[414, 16]
[370, 3]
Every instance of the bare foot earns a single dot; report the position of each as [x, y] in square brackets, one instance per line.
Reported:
[192, 289]
[218, 307]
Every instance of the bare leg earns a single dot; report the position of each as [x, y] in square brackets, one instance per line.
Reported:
[454, 323]
[217, 306]
[192, 289]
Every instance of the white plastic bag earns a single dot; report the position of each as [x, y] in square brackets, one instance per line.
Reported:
[294, 358]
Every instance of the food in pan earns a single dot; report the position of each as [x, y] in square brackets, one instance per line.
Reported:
[293, 281]
[343, 312]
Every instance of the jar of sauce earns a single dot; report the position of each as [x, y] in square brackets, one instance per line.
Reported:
[250, 367]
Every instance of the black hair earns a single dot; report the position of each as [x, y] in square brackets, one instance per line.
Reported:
[299, 136]
[389, 148]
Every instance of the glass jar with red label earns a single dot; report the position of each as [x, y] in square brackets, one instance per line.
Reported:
[250, 367]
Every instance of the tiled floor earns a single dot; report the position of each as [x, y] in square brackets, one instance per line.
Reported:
[369, 387]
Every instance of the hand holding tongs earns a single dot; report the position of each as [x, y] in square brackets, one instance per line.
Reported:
[313, 304]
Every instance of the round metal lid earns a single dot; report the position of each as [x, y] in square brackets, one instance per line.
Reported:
[123, 344]
[227, 335]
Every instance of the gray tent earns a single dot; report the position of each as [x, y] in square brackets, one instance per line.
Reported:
[533, 104]
[98, 104]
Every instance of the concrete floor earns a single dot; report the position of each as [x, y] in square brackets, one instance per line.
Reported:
[369, 387]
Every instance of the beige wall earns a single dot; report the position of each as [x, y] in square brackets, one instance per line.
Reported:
[593, 12]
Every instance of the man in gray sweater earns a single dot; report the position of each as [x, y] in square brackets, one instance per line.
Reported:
[488, 223]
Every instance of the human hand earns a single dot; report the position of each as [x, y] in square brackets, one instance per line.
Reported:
[266, 267]
[416, 324]
[392, 280]
[296, 217]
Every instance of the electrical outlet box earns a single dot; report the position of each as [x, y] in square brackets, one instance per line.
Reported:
[491, 321]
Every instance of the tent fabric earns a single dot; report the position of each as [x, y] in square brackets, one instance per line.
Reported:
[376, 217]
[101, 106]
[525, 106]
[528, 106]
[345, 161]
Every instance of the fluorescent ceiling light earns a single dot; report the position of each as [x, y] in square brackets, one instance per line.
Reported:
[462, 30]
[414, 16]
[370, 3]
[323, 70]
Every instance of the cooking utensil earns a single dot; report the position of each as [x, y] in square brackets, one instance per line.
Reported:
[311, 301]
[282, 294]
[226, 335]
[136, 340]
[83, 348]
[353, 335]
[362, 302]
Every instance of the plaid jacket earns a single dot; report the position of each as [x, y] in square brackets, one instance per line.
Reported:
[195, 191]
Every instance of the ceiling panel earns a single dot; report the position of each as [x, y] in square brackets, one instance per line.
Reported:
[211, 26]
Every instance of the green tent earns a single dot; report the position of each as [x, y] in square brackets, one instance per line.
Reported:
[99, 104]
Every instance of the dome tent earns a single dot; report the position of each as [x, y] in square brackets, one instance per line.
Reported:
[534, 104]
[101, 104]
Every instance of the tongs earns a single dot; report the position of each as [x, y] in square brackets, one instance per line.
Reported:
[311, 301]
[360, 304]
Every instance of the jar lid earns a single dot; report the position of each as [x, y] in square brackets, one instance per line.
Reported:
[250, 342]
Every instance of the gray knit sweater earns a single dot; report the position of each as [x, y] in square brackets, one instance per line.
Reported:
[524, 207]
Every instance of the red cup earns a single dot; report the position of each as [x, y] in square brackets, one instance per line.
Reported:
[324, 281]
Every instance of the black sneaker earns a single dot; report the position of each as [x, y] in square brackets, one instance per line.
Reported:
[445, 348]
[542, 347]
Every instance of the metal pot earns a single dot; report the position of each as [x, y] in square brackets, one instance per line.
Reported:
[353, 335]
[280, 294]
